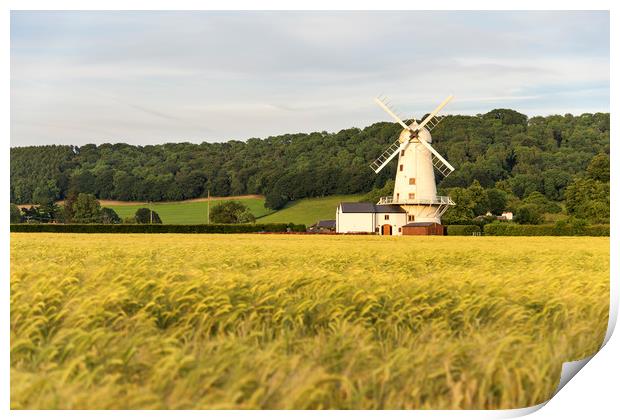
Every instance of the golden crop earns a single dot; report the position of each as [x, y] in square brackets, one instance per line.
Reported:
[281, 321]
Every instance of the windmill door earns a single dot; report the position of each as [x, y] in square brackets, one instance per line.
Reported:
[386, 229]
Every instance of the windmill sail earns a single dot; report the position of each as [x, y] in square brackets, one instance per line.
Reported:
[387, 156]
[383, 103]
[433, 122]
[429, 123]
[435, 112]
[443, 167]
[395, 147]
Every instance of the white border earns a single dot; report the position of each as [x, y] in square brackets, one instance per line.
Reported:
[592, 393]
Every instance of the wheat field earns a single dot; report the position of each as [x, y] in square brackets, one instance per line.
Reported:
[298, 321]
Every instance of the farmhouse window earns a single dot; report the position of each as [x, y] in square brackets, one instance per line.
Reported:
[386, 217]
[401, 167]
[410, 218]
[411, 181]
[400, 229]
[411, 196]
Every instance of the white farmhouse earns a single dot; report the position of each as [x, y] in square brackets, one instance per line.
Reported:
[385, 219]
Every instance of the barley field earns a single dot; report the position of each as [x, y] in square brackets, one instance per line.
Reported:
[286, 321]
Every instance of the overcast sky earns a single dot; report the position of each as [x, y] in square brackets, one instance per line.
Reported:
[154, 77]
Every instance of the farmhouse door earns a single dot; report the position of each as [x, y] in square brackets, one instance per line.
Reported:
[386, 230]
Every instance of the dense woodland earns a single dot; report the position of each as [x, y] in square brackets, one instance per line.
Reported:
[559, 163]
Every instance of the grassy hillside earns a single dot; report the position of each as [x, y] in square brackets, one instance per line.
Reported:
[188, 212]
[309, 210]
[306, 211]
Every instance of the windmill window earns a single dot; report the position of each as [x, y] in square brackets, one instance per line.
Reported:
[401, 167]
[411, 196]
[386, 217]
[411, 181]
[402, 153]
[397, 196]
[410, 218]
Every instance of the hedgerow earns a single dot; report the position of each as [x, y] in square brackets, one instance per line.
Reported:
[155, 228]
[463, 230]
[558, 229]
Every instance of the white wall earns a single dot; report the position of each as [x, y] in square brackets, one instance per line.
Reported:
[417, 163]
[368, 222]
[354, 222]
[423, 213]
[397, 220]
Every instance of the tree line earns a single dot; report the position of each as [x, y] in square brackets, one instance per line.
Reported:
[509, 157]
[84, 208]
[80, 208]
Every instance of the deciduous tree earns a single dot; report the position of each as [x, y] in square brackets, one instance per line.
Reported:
[231, 212]
[86, 209]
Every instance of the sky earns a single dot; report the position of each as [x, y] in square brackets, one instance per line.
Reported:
[154, 77]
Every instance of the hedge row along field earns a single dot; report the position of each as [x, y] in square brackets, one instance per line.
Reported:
[501, 229]
[559, 229]
[98, 228]
[463, 230]
[513, 229]
[244, 321]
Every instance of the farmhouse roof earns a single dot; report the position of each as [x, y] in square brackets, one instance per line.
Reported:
[388, 208]
[370, 208]
[357, 207]
[328, 224]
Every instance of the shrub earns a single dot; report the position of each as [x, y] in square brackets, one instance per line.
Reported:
[529, 214]
[109, 216]
[147, 216]
[16, 214]
[597, 230]
[463, 230]
[296, 228]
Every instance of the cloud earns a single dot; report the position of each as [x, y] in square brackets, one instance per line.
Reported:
[149, 77]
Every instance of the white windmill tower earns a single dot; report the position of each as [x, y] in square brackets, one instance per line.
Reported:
[414, 188]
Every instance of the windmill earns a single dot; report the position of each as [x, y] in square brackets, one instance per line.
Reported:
[414, 187]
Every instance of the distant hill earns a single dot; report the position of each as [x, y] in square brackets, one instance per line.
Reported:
[308, 210]
[542, 154]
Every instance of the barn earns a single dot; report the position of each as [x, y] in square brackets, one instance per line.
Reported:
[423, 228]
[383, 219]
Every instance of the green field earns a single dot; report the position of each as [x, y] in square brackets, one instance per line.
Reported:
[169, 321]
[307, 211]
[188, 212]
